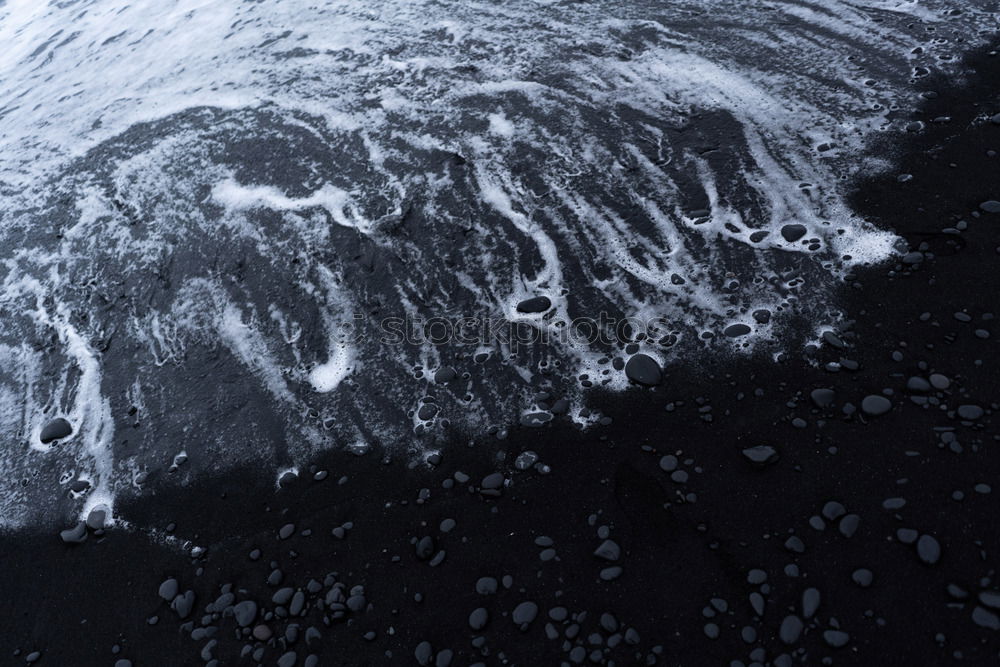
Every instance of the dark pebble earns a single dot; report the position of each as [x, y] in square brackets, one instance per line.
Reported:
[245, 613]
[57, 429]
[736, 330]
[538, 304]
[74, 535]
[445, 374]
[793, 233]
[643, 369]
[875, 405]
[761, 455]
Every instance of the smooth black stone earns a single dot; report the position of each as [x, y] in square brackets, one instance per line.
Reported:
[876, 405]
[538, 304]
[737, 330]
[74, 535]
[57, 429]
[793, 232]
[822, 397]
[761, 454]
[445, 374]
[643, 369]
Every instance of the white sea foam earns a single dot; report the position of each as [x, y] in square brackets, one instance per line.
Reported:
[227, 183]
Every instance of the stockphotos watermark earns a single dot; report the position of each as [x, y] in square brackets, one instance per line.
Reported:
[604, 329]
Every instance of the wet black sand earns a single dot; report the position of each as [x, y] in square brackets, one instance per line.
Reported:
[688, 547]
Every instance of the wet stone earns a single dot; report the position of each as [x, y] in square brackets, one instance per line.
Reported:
[282, 596]
[74, 535]
[169, 589]
[833, 340]
[833, 510]
[795, 544]
[822, 397]
[57, 429]
[525, 613]
[245, 613]
[538, 304]
[990, 206]
[479, 618]
[760, 455]
[810, 602]
[862, 577]
[939, 381]
[793, 232]
[928, 549]
[836, 638]
[970, 412]
[486, 585]
[96, 518]
[445, 374]
[643, 369]
[183, 604]
[425, 547]
[875, 405]
[525, 460]
[297, 604]
[791, 629]
[737, 330]
[985, 618]
[849, 525]
[608, 550]
[492, 481]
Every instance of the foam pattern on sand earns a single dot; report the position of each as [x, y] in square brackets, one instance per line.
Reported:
[213, 213]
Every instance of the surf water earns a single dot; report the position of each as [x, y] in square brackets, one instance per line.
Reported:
[217, 217]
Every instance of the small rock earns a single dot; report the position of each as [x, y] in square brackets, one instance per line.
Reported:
[525, 613]
[169, 589]
[836, 638]
[875, 405]
[643, 369]
[737, 330]
[928, 549]
[57, 429]
[608, 550]
[761, 455]
[538, 304]
[74, 535]
[793, 233]
[245, 612]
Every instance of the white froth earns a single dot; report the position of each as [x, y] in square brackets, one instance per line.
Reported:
[332, 199]
[569, 178]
